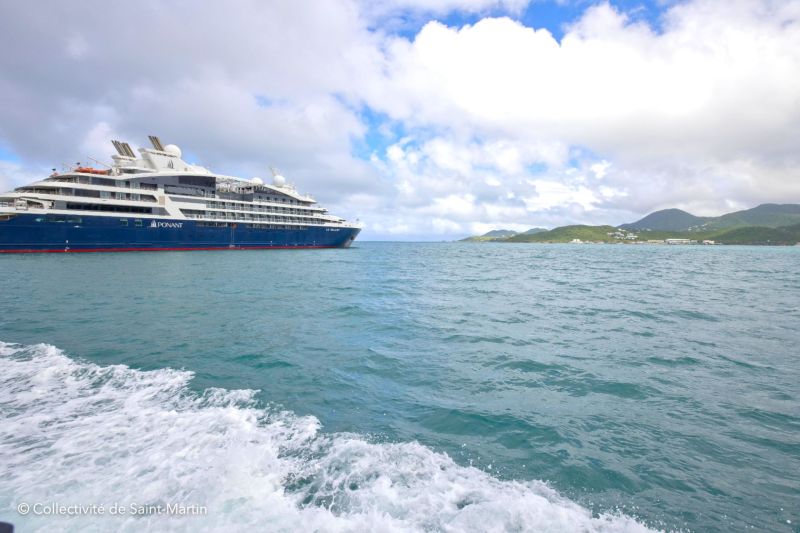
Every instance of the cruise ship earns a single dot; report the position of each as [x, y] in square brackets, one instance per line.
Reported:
[158, 201]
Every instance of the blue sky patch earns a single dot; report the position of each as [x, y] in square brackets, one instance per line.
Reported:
[6, 154]
[552, 15]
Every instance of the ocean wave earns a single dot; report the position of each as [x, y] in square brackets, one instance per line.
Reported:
[75, 433]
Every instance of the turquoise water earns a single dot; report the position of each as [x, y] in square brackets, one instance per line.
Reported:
[407, 387]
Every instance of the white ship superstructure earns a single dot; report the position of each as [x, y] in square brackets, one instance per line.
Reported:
[159, 189]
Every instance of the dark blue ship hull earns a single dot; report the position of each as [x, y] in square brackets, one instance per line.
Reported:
[80, 233]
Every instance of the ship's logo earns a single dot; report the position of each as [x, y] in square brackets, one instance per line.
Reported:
[156, 224]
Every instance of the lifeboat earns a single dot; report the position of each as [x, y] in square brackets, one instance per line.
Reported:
[88, 170]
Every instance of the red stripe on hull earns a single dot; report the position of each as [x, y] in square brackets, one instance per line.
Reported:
[215, 248]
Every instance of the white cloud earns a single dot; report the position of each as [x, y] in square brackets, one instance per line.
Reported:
[716, 82]
[502, 125]
[266, 84]
[444, 226]
[703, 115]
[95, 142]
[453, 205]
[600, 169]
[12, 174]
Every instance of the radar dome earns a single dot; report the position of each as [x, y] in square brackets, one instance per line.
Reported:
[257, 181]
[279, 180]
[173, 150]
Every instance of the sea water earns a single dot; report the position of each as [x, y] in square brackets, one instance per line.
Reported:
[402, 387]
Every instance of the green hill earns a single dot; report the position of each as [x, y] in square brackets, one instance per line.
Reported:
[667, 220]
[533, 231]
[765, 215]
[752, 235]
[769, 224]
[567, 234]
[786, 235]
[500, 235]
[494, 235]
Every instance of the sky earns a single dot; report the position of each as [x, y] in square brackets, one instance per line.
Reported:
[424, 119]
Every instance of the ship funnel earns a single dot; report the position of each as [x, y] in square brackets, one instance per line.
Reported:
[156, 142]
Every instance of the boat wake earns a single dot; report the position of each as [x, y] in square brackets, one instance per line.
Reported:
[75, 434]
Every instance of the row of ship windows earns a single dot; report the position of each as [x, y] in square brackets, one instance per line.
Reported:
[147, 198]
[183, 180]
[273, 199]
[82, 193]
[134, 197]
[212, 193]
[248, 217]
[139, 223]
[60, 219]
[251, 226]
[107, 182]
[187, 212]
[108, 195]
[110, 208]
[77, 220]
[258, 208]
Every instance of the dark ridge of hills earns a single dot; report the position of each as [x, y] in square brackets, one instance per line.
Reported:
[784, 235]
[494, 235]
[666, 220]
[764, 215]
[567, 234]
[763, 224]
[501, 233]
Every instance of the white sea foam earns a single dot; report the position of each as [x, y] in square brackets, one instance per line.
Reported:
[74, 433]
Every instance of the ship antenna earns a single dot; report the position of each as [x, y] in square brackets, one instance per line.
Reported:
[99, 162]
[274, 171]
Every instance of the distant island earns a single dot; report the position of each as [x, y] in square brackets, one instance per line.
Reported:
[502, 235]
[767, 224]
